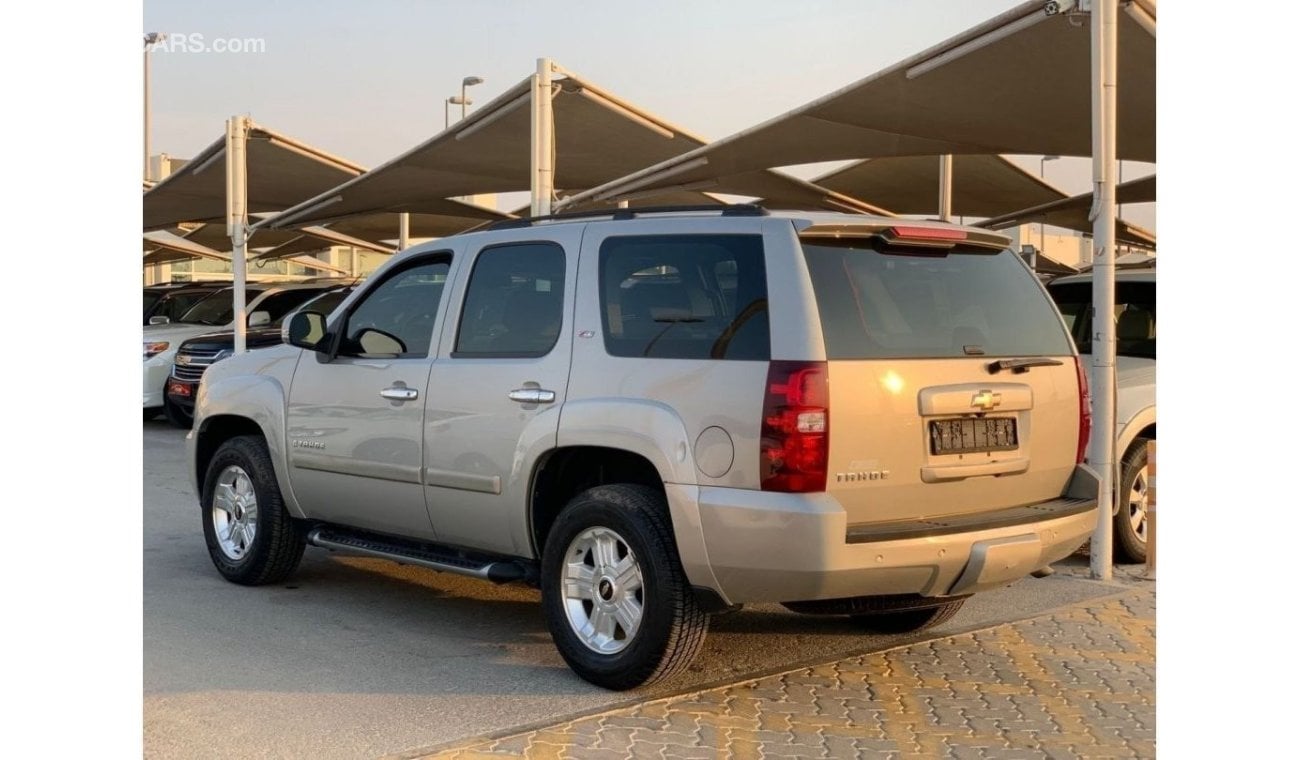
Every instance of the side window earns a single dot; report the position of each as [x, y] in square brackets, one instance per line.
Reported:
[279, 304]
[514, 304]
[685, 297]
[396, 318]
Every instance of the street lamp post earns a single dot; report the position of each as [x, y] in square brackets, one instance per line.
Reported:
[461, 100]
[1042, 233]
[464, 83]
[454, 100]
[150, 39]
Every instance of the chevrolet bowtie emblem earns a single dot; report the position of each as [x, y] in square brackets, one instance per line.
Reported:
[986, 400]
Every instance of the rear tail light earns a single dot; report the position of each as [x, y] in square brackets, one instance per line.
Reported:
[1085, 413]
[796, 427]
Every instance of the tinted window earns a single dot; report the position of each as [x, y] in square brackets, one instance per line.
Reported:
[397, 317]
[323, 304]
[685, 297]
[149, 300]
[515, 302]
[1135, 316]
[218, 308]
[877, 303]
[279, 304]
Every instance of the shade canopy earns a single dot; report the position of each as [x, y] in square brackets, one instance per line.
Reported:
[1018, 83]
[162, 247]
[281, 172]
[981, 185]
[1072, 213]
[598, 137]
[373, 229]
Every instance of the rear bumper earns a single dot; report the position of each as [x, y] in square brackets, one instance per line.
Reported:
[768, 547]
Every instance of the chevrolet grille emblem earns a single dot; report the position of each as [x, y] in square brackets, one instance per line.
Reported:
[986, 400]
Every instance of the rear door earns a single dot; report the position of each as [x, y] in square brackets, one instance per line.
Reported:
[497, 387]
[355, 420]
[921, 425]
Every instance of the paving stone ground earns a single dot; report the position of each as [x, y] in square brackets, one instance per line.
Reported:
[1078, 682]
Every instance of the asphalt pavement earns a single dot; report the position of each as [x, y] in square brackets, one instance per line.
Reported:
[354, 658]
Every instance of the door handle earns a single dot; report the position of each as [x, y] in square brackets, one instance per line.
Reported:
[400, 393]
[532, 396]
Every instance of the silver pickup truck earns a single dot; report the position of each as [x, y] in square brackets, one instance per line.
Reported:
[658, 416]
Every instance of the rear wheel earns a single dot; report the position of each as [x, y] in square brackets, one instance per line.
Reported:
[617, 602]
[251, 537]
[886, 614]
[908, 621]
[1133, 496]
[150, 412]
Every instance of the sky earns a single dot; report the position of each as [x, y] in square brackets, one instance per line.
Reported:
[366, 81]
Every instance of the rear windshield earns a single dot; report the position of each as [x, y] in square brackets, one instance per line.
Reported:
[1135, 316]
[878, 303]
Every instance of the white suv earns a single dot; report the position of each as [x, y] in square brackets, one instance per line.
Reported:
[1135, 378]
[655, 416]
[265, 304]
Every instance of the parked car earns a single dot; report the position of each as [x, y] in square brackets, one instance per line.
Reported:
[659, 416]
[265, 303]
[198, 353]
[163, 304]
[1135, 381]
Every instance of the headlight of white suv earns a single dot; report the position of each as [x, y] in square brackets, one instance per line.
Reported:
[154, 347]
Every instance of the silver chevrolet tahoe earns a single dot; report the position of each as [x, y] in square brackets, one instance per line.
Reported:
[658, 416]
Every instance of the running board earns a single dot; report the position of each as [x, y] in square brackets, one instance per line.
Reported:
[432, 556]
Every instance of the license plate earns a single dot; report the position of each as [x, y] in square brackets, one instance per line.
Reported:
[970, 436]
[178, 388]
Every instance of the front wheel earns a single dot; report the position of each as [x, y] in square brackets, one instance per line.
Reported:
[1133, 496]
[251, 537]
[616, 599]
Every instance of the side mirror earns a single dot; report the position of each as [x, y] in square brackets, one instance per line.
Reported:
[305, 329]
[160, 320]
[259, 319]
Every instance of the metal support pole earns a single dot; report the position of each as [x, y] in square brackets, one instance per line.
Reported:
[1102, 445]
[403, 231]
[237, 220]
[945, 187]
[147, 97]
[543, 170]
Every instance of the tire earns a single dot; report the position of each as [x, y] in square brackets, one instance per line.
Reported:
[885, 614]
[1131, 538]
[150, 412]
[624, 521]
[908, 621]
[177, 415]
[277, 541]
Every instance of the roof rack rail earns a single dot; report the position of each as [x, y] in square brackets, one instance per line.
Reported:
[619, 214]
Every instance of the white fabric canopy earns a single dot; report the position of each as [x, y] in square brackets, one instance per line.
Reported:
[598, 137]
[1018, 83]
[1072, 213]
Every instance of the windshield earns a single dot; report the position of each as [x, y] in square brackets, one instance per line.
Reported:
[217, 309]
[1135, 316]
[878, 303]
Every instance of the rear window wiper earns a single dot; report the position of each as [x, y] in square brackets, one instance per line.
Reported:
[1022, 365]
